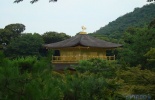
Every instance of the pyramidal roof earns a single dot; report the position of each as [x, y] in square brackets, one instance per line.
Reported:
[83, 40]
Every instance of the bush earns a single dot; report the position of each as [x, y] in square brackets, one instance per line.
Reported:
[98, 66]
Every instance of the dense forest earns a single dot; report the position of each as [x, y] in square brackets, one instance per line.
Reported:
[26, 72]
[140, 17]
[16, 43]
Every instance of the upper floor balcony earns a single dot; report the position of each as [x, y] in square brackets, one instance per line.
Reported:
[76, 59]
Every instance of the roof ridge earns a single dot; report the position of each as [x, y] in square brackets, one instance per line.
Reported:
[81, 38]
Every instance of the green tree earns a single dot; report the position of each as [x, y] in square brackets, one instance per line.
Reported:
[138, 41]
[39, 82]
[32, 83]
[5, 36]
[17, 29]
[26, 44]
[51, 37]
[134, 80]
[96, 65]
[104, 72]
[10, 32]
[151, 57]
[152, 24]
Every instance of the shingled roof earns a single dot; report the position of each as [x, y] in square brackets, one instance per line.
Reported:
[83, 40]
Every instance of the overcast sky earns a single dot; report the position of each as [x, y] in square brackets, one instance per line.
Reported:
[65, 15]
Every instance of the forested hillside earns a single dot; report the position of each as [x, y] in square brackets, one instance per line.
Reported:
[140, 17]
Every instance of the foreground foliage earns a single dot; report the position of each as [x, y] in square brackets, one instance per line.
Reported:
[28, 78]
[137, 81]
[32, 79]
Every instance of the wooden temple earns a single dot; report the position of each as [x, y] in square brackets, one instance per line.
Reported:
[81, 47]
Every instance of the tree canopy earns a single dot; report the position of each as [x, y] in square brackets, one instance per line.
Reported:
[16, 28]
[15, 43]
[51, 37]
[25, 45]
[137, 42]
[11, 31]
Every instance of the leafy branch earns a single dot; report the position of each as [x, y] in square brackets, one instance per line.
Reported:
[150, 0]
[33, 1]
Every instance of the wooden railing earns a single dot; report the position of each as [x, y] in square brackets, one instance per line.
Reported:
[75, 59]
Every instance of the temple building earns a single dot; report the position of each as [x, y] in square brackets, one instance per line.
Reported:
[81, 47]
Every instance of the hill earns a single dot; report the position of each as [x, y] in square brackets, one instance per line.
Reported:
[140, 17]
